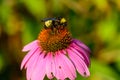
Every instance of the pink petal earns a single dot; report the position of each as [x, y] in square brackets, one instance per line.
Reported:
[82, 52]
[60, 75]
[79, 63]
[76, 52]
[82, 45]
[28, 56]
[63, 51]
[68, 66]
[31, 64]
[32, 58]
[39, 71]
[30, 45]
[64, 67]
[49, 64]
[54, 66]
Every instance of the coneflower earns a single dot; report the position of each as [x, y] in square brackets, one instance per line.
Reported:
[55, 53]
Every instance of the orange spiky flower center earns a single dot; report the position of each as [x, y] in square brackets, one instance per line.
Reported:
[54, 40]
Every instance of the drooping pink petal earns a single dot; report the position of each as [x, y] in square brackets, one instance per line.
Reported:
[60, 75]
[39, 70]
[54, 71]
[79, 63]
[82, 45]
[49, 63]
[31, 64]
[28, 56]
[68, 67]
[76, 52]
[32, 58]
[63, 51]
[81, 52]
[30, 45]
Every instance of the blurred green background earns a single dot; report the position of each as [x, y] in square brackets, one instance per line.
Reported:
[94, 22]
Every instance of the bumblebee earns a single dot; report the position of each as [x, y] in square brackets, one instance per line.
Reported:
[54, 22]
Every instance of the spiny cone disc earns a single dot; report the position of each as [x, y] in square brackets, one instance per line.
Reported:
[52, 42]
